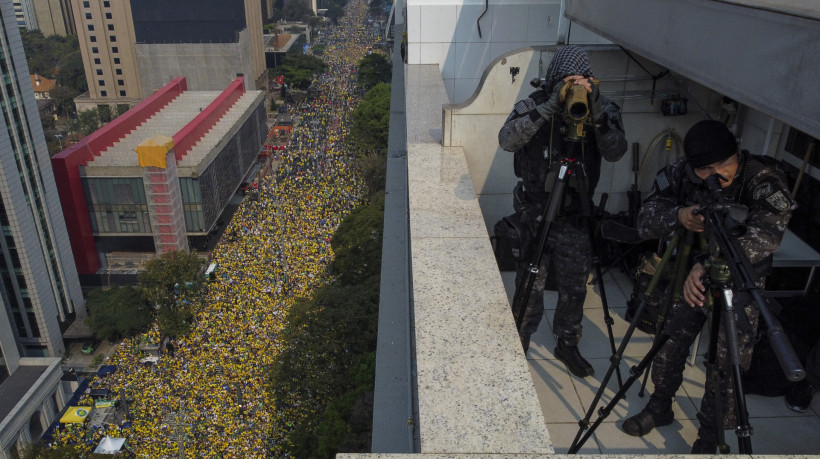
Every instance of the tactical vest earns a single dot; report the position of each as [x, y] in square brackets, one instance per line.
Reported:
[534, 162]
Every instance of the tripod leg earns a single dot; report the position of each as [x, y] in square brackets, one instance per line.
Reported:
[596, 262]
[673, 292]
[634, 373]
[744, 430]
[707, 439]
[524, 288]
[615, 360]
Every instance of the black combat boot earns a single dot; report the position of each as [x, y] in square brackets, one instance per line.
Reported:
[707, 441]
[649, 418]
[573, 360]
[799, 395]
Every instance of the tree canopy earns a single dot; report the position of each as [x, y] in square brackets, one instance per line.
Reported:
[374, 69]
[325, 373]
[166, 283]
[55, 57]
[118, 312]
[299, 69]
[371, 121]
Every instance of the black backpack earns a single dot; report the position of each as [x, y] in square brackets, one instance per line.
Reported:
[510, 240]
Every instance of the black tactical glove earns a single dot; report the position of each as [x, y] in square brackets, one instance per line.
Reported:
[596, 108]
[553, 104]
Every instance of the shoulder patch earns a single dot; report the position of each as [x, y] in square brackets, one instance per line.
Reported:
[762, 191]
[777, 200]
[522, 107]
[662, 181]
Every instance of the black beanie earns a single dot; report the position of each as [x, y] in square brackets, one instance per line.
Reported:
[708, 142]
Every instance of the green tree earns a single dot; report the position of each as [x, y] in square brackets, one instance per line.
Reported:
[166, 283]
[118, 312]
[39, 450]
[357, 243]
[86, 122]
[374, 69]
[328, 347]
[72, 74]
[372, 167]
[104, 112]
[63, 97]
[371, 121]
[299, 69]
[318, 49]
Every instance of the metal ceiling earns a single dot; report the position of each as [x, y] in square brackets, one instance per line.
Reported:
[762, 53]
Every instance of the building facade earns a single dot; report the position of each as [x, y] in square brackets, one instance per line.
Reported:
[131, 49]
[54, 17]
[159, 176]
[39, 288]
[24, 14]
[38, 280]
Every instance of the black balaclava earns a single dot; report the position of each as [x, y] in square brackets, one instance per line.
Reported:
[568, 60]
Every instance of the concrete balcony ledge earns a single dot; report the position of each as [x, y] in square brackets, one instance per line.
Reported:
[473, 387]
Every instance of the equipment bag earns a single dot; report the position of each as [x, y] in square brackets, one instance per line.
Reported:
[646, 269]
[510, 240]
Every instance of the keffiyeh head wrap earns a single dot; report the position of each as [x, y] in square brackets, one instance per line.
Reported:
[568, 60]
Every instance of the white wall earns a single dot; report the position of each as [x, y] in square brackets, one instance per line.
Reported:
[446, 32]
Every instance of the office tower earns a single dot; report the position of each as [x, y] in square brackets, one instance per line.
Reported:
[39, 287]
[132, 48]
[54, 17]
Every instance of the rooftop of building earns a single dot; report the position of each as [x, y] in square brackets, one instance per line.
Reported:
[15, 387]
[42, 84]
[445, 331]
[280, 43]
[202, 117]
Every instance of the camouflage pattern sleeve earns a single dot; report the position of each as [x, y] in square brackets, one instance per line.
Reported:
[658, 216]
[609, 134]
[770, 208]
[519, 128]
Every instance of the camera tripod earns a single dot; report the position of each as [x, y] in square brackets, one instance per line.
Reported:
[728, 271]
[567, 167]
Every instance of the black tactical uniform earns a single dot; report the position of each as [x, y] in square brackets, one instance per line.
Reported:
[761, 186]
[537, 137]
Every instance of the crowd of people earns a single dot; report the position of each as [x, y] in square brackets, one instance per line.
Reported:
[209, 398]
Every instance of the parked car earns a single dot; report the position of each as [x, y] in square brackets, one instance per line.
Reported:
[88, 347]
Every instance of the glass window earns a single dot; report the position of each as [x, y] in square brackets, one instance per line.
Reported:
[97, 61]
[88, 15]
[110, 26]
[108, 15]
[118, 71]
[112, 38]
[117, 60]
[107, 4]
[90, 27]
[86, 4]
[103, 94]
[95, 50]
[115, 50]
[99, 71]
[122, 93]
[121, 82]
[93, 38]
[101, 82]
